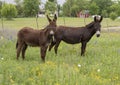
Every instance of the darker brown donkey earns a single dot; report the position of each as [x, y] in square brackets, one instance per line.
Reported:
[36, 38]
[74, 35]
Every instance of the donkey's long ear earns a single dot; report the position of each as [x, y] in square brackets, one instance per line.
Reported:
[98, 18]
[55, 17]
[95, 18]
[49, 18]
[101, 18]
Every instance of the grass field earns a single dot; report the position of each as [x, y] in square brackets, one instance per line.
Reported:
[18, 23]
[100, 65]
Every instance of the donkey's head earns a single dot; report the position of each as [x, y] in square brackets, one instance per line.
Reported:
[51, 27]
[97, 25]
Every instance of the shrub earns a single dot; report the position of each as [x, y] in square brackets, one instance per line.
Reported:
[31, 7]
[113, 15]
[8, 11]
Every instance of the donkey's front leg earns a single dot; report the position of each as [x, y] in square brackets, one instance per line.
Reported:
[51, 45]
[43, 52]
[83, 47]
[56, 46]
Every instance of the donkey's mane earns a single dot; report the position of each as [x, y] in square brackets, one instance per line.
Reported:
[89, 25]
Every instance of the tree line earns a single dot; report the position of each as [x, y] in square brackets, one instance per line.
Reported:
[29, 8]
[106, 8]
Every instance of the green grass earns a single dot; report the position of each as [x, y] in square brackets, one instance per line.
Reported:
[19, 23]
[100, 65]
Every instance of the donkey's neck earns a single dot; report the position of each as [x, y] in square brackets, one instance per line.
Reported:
[91, 31]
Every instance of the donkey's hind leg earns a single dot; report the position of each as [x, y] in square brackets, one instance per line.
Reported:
[51, 45]
[19, 49]
[23, 50]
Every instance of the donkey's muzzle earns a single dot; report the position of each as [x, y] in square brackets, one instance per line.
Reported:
[52, 35]
[98, 33]
[51, 32]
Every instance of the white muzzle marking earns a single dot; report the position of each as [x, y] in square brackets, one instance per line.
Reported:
[98, 33]
[51, 32]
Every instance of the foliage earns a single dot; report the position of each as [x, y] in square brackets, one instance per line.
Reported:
[104, 13]
[115, 8]
[19, 7]
[103, 5]
[83, 4]
[0, 7]
[74, 10]
[66, 9]
[50, 7]
[52, 0]
[1, 4]
[94, 9]
[31, 7]
[58, 8]
[113, 15]
[73, 7]
[69, 7]
[9, 11]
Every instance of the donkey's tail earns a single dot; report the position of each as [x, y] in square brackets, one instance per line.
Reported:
[16, 44]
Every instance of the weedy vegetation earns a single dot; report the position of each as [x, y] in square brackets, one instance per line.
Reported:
[99, 66]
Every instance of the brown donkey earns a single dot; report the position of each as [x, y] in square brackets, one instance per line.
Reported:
[36, 38]
[74, 35]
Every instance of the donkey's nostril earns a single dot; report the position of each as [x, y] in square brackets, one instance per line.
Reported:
[98, 35]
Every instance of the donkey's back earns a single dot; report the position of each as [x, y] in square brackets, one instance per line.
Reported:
[29, 36]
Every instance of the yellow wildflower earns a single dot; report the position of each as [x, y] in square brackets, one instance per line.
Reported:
[1, 37]
[57, 84]
[11, 80]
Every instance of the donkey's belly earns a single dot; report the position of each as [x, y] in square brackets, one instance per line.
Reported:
[72, 41]
[35, 44]
[72, 38]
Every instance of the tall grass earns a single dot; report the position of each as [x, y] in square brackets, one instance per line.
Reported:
[100, 65]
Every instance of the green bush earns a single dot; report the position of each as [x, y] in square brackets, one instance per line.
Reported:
[31, 7]
[113, 15]
[9, 11]
[104, 13]
[0, 7]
